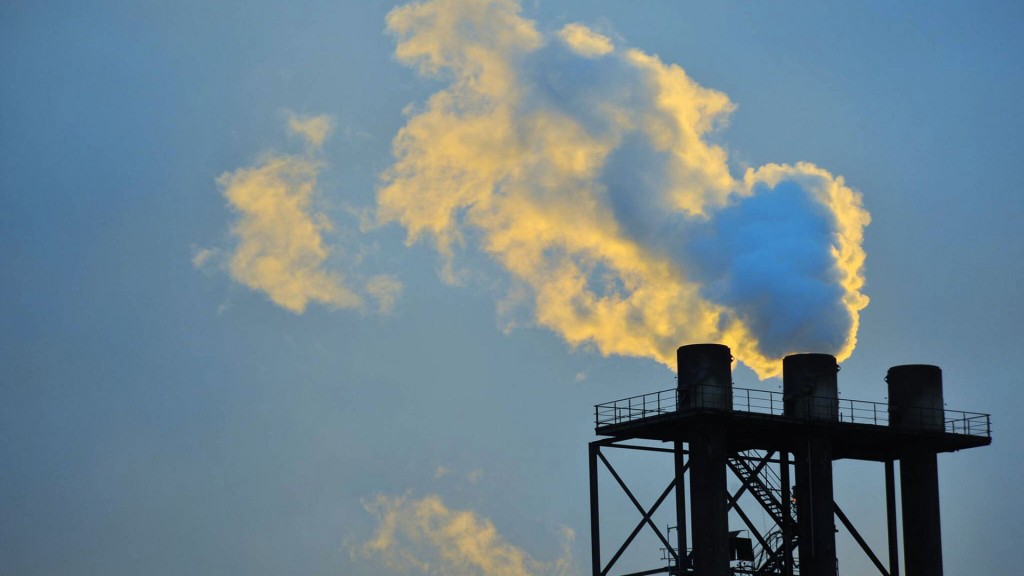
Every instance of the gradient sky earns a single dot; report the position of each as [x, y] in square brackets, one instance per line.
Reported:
[158, 416]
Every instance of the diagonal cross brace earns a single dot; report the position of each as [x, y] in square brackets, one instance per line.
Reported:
[735, 505]
[645, 513]
[860, 539]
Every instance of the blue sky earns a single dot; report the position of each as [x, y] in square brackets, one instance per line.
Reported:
[160, 416]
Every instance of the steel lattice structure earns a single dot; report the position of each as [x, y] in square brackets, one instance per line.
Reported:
[781, 448]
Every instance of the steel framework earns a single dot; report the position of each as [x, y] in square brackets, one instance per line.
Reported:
[780, 447]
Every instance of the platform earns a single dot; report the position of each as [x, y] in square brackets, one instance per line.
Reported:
[861, 430]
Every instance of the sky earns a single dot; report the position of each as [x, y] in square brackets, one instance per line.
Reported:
[320, 287]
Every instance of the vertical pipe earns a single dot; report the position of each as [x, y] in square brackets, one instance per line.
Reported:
[705, 384]
[915, 405]
[810, 384]
[595, 524]
[922, 536]
[890, 510]
[787, 514]
[683, 564]
[708, 501]
[815, 507]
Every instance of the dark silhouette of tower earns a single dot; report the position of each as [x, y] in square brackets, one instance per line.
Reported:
[781, 448]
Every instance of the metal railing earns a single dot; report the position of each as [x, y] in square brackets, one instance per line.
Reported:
[771, 403]
[968, 423]
[636, 407]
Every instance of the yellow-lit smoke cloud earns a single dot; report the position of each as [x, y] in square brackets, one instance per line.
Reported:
[314, 129]
[585, 170]
[281, 249]
[426, 536]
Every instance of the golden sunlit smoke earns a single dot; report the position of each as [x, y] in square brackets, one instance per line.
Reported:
[314, 129]
[585, 170]
[585, 41]
[428, 537]
[281, 249]
[385, 290]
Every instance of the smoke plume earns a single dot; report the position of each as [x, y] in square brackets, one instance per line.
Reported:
[586, 171]
[426, 536]
[281, 250]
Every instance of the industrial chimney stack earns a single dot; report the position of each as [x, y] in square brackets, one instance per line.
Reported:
[781, 448]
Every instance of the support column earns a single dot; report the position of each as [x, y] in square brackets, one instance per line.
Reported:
[708, 501]
[815, 507]
[922, 534]
[890, 512]
[681, 542]
[595, 523]
[787, 514]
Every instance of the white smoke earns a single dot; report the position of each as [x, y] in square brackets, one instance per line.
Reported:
[585, 170]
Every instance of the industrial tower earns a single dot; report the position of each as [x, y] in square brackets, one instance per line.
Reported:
[781, 448]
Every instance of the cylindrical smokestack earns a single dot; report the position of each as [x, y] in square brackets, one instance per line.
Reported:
[705, 376]
[915, 397]
[705, 383]
[915, 403]
[811, 392]
[810, 387]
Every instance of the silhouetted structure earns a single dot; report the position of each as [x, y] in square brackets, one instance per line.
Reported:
[763, 437]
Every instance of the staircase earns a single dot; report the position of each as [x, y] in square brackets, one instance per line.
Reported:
[765, 485]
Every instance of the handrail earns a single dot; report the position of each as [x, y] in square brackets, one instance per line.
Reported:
[772, 403]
